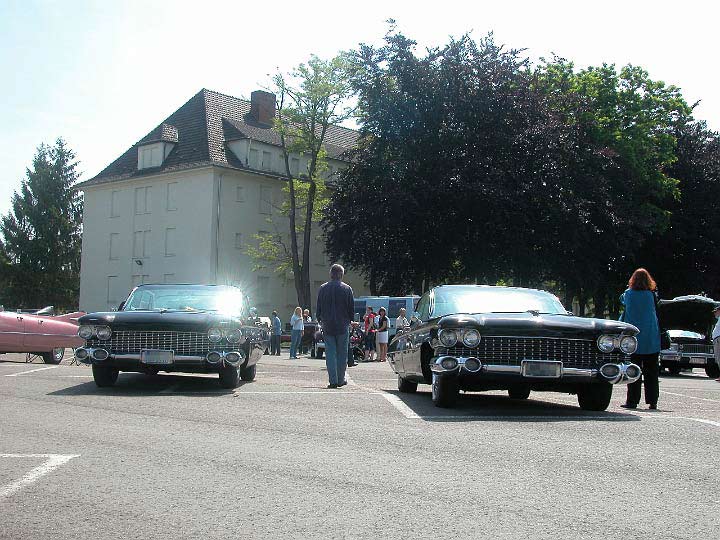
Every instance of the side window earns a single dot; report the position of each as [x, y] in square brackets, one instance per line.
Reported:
[423, 307]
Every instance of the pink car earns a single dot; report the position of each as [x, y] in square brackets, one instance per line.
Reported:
[44, 336]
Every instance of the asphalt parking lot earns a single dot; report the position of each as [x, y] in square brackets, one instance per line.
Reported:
[175, 456]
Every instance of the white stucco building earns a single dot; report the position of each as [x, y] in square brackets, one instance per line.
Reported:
[181, 205]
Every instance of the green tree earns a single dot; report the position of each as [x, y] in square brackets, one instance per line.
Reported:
[41, 235]
[311, 98]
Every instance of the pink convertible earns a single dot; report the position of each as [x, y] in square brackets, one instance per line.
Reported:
[44, 336]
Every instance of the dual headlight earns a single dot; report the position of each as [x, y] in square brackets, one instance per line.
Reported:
[607, 343]
[450, 336]
[233, 335]
[101, 332]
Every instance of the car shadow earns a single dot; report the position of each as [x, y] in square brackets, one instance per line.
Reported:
[480, 407]
[139, 384]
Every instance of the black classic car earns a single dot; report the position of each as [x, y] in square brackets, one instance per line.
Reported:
[476, 337]
[174, 328]
[689, 322]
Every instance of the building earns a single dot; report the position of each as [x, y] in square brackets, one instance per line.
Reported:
[181, 205]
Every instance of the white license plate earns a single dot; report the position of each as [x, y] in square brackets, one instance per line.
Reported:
[698, 361]
[149, 356]
[537, 368]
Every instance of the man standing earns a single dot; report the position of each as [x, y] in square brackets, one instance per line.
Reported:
[335, 310]
[401, 322]
[275, 337]
[716, 337]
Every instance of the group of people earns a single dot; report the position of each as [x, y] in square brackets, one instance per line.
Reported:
[376, 329]
[297, 325]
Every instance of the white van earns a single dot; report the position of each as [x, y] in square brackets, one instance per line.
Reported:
[391, 303]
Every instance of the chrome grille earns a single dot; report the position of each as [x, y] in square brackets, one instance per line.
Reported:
[694, 348]
[511, 351]
[183, 343]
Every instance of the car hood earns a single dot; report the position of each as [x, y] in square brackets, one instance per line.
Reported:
[692, 313]
[190, 321]
[527, 324]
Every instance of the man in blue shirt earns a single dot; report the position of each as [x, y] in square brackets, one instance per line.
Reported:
[335, 310]
[275, 336]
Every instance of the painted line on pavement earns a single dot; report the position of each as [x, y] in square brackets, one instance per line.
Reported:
[53, 461]
[31, 371]
[691, 397]
[400, 405]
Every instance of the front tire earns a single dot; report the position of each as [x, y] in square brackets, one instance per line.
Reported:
[445, 391]
[104, 376]
[712, 371]
[247, 374]
[595, 397]
[229, 376]
[674, 370]
[406, 387]
[53, 357]
[519, 392]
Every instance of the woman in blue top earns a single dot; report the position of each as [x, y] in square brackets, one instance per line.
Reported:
[639, 301]
[296, 322]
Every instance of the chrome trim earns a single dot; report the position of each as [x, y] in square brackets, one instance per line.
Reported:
[241, 358]
[585, 373]
[121, 356]
[99, 350]
[615, 378]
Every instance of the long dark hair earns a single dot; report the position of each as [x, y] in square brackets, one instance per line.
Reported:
[641, 280]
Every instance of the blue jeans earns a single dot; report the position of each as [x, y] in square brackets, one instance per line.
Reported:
[295, 336]
[336, 351]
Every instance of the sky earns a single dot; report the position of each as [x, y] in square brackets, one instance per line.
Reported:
[102, 74]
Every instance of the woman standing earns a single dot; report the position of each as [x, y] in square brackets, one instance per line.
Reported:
[382, 334]
[297, 324]
[639, 301]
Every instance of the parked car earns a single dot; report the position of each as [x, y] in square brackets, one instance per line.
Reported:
[41, 335]
[689, 322]
[475, 338]
[174, 328]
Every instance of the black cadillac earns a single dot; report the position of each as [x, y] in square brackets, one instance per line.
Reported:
[174, 328]
[689, 322]
[476, 337]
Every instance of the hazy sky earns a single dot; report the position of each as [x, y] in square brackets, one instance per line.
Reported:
[102, 74]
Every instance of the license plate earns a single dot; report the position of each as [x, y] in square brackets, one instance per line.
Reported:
[536, 368]
[698, 361]
[157, 357]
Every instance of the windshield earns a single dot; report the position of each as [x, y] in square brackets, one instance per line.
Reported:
[178, 298]
[494, 300]
[685, 334]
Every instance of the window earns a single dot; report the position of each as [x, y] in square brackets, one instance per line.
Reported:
[114, 240]
[263, 289]
[150, 155]
[172, 196]
[265, 200]
[141, 244]
[294, 166]
[254, 158]
[142, 200]
[115, 204]
[238, 241]
[240, 194]
[169, 242]
[267, 161]
[168, 278]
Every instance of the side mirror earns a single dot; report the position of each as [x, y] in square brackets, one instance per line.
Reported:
[570, 313]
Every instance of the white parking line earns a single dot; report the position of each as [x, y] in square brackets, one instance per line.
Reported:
[691, 397]
[31, 371]
[400, 405]
[53, 461]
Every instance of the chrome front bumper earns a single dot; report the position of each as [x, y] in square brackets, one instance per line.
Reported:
[88, 355]
[625, 373]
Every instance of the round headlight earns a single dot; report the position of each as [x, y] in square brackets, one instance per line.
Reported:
[606, 343]
[214, 335]
[234, 335]
[628, 344]
[471, 338]
[103, 332]
[86, 332]
[449, 363]
[448, 337]
[473, 364]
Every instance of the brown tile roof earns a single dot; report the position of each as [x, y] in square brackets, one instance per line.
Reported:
[200, 129]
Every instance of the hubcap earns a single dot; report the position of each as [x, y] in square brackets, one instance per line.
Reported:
[58, 353]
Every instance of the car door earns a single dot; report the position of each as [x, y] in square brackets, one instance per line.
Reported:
[418, 334]
[12, 330]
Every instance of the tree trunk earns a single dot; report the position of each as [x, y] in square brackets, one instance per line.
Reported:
[582, 302]
[599, 302]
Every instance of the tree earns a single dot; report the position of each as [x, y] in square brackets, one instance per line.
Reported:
[42, 233]
[311, 98]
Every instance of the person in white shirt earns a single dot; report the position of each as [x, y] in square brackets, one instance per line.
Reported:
[716, 336]
[401, 322]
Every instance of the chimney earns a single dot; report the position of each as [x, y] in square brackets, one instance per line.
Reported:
[262, 107]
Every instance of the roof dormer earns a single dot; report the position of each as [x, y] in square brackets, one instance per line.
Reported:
[154, 148]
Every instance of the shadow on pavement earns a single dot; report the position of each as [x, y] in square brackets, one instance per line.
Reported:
[139, 384]
[478, 407]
